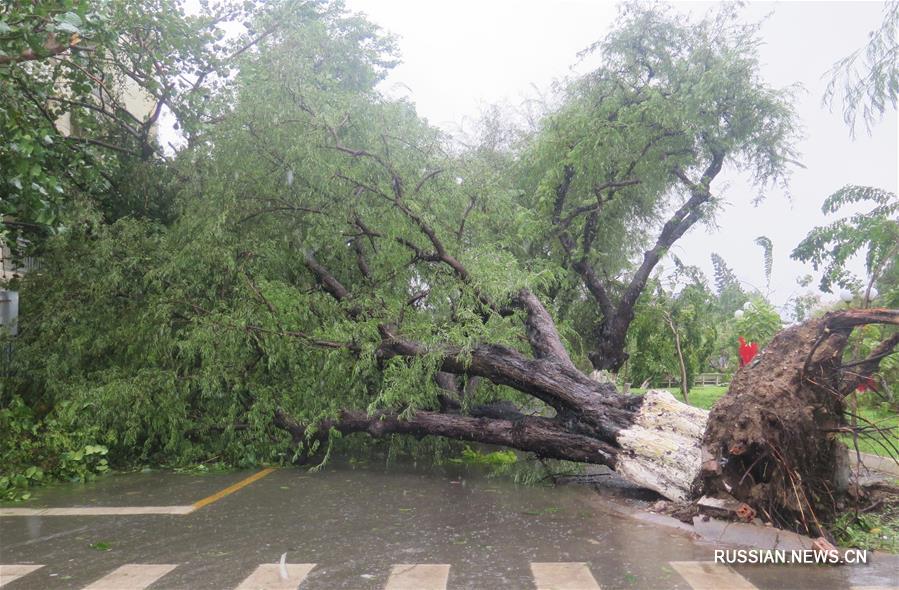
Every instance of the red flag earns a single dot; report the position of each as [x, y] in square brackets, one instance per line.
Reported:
[747, 351]
[867, 384]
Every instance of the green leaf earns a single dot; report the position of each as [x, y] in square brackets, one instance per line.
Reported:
[69, 22]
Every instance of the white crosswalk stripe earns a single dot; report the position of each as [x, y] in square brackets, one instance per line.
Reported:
[563, 576]
[418, 576]
[11, 572]
[97, 511]
[268, 577]
[134, 576]
[705, 575]
[700, 575]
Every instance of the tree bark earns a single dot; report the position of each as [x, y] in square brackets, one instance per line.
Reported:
[610, 341]
[769, 442]
[684, 385]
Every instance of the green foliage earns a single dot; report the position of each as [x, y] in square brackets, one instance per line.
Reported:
[508, 464]
[161, 341]
[873, 87]
[868, 531]
[651, 342]
[34, 450]
[874, 234]
[663, 91]
[178, 304]
[760, 322]
[82, 86]
[494, 458]
[730, 293]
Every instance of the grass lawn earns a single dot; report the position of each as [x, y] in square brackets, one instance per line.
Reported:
[701, 397]
[705, 397]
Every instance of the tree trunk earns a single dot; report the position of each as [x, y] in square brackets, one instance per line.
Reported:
[609, 344]
[684, 385]
[770, 442]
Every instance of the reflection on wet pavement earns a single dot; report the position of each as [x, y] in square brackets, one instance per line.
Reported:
[365, 528]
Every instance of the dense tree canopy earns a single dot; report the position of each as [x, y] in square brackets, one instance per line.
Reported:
[83, 86]
[332, 264]
[624, 167]
[316, 217]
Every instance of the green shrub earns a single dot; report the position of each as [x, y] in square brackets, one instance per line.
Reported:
[38, 450]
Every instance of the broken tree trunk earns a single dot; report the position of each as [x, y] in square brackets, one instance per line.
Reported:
[659, 449]
[770, 442]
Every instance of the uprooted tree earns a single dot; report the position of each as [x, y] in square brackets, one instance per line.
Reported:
[340, 267]
[624, 168]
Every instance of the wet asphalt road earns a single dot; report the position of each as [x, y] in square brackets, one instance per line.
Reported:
[356, 523]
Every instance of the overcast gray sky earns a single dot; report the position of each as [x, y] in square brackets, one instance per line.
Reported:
[460, 56]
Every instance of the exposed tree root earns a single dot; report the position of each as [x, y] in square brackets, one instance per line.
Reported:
[772, 440]
[770, 443]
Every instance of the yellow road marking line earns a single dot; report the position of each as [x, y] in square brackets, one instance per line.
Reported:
[136, 510]
[11, 573]
[232, 488]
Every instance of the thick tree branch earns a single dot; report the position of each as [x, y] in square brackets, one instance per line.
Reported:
[324, 278]
[595, 286]
[852, 318]
[562, 193]
[471, 204]
[597, 405]
[361, 261]
[541, 330]
[542, 435]
[682, 220]
[52, 46]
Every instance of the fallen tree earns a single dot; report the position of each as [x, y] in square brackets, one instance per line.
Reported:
[771, 442]
[405, 262]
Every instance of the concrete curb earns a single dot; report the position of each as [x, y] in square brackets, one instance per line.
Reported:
[875, 463]
[752, 535]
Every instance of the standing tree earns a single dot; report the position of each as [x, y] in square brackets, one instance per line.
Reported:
[674, 331]
[331, 276]
[624, 168]
[83, 86]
